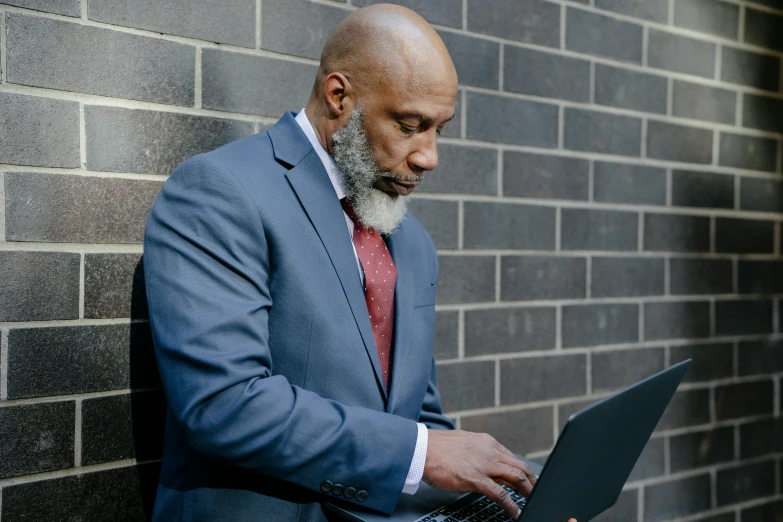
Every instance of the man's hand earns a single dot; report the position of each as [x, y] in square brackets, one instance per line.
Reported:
[461, 461]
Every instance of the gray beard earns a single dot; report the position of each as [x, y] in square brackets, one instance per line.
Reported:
[353, 155]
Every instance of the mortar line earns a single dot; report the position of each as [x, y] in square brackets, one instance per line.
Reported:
[10, 403]
[737, 444]
[497, 279]
[589, 373]
[501, 60]
[592, 82]
[669, 187]
[713, 325]
[667, 356]
[82, 138]
[778, 478]
[713, 488]
[645, 44]
[776, 240]
[641, 322]
[737, 193]
[463, 123]
[460, 224]
[461, 334]
[258, 24]
[735, 274]
[497, 383]
[4, 364]
[640, 232]
[715, 147]
[81, 285]
[2, 206]
[643, 148]
[71, 322]
[560, 127]
[739, 108]
[562, 26]
[776, 388]
[712, 233]
[667, 276]
[741, 22]
[558, 328]
[500, 172]
[197, 86]
[713, 412]
[667, 456]
[85, 11]
[558, 221]
[670, 13]
[591, 181]
[555, 421]
[780, 152]
[640, 504]
[735, 359]
[588, 276]
[77, 436]
[70, 472]
[2, 49]
[465, 15]
[93, 248]
[718, 61]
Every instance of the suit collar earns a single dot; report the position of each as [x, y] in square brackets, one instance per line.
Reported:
[289, 143]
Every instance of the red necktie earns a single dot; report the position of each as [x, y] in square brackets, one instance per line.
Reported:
[379, 278]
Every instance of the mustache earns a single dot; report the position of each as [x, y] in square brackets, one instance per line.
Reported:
[403, 178]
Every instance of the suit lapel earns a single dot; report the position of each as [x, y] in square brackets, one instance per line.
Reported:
[403, 304]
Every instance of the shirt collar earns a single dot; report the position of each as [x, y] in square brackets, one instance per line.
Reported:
[335, 176]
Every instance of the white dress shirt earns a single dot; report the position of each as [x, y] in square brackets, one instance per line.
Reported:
[416, 471]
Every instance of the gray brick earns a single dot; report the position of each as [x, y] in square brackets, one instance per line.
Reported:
[542, 277]
[676, 498]
[542, 378]
[66, 360]
[651, 463]
[628, 89]
[763, 113]
[440, 218]
[702, 448]
[668, 141]
[626, 277]
[77, 209]
[530, 21]
[764, 29]
[760, 357]
[508, 120]
[467, 385]
[653, 10]
[702, 189]
[63, 7]
[749, 68]
[621, 368]
[509, 226]
[733, 401]
[744, 317]
[39, 132]
[681, 54]
[443, 12]
[446, 335]
[710, 361]
[463, 170]
[632, 184]
[593, 325]
[466, 279]
[79, 58]
[592, 33]
[39, 286]
[583, 229]
[708, 16]
[114, 286]
[764, 512]
[602, 132]
[544, 176]
[477, 60]
[231, 22]
[676, 320]
[37, 438]
[764, 195]
[125, 140]
[687, 408]
[298, 27]
[761, 437]
[748, 152]
[701, 102]
[746, 482]
[570, 408]
[237, 82]
[521, 431]
[508, 330]
[624, 509]
[692, 276]
[545, 74]
[760, 277]
[744, 236]
[672, 233]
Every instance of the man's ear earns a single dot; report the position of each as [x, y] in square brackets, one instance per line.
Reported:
[338, 94]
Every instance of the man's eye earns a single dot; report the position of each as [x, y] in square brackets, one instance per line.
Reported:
[407, 130]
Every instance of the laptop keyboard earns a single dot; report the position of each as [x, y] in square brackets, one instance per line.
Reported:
[480, 510]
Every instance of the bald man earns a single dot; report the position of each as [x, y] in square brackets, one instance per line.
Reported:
[292, 300]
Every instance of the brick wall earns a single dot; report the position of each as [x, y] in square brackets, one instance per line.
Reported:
[608, 202]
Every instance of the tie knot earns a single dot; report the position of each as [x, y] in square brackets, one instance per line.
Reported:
[348, 208]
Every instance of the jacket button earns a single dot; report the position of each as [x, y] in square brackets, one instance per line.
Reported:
[337, 490]
[350, 492]
[326, 486]
[361, 495]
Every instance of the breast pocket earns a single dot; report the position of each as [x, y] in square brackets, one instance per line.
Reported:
[424, 296]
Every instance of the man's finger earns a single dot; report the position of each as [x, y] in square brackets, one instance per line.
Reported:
[501, 497]
[515, 478]
[522, 466]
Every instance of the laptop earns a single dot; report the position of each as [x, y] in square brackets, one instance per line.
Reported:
[582, 477]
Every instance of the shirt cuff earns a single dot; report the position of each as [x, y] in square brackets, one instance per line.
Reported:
[416, 471]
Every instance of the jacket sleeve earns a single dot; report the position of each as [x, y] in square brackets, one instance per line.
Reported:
[207, 268]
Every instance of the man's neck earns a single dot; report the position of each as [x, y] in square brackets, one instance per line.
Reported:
[319, 122]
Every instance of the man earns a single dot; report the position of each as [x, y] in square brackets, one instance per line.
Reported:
[292, 300]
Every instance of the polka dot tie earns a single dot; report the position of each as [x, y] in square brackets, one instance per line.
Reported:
[380, 275]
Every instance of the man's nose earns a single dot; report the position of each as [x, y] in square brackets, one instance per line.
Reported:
[426, 156]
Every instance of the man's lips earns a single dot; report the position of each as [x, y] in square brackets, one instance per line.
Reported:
[404, 188]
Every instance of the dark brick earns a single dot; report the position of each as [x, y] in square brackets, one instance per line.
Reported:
[760, 277]
[762, 112]
[700, 276]
[702, 448]
[734, 401]
[762, 357]
[593, 325]
[761, 437]
[123, 427]
[771, 512]
[708, 16]
[37, 438]
[626, 277]
[77, 209]
[446, 335]
[39, 286]
[702, 189]
[584, 229]
[624, 510]
[764, 195]
[297, 27]
[651, 463]
[653, 10]
[114, 286]
[521, 431]
[621, 368]
[530, 21]
[630, 89]
[764, 29]
[508, 330]
[701, 102]
[749, 68]
[744, 236]
[565, 411]
[235, 23]
[748, 152]
[681, 54]
[710, 361]
[467, 385]
[542, 277]
[463, 170]
[504, 225]
[466, 279]
[545, 74]
[508, 120]
[477, 60]
[440, 218]
[723, 517]
[542, 378]
[632, 184]
[592, 33]
[122, 495]
[677, 320]
[237, 82]
[668, 141]
[743, 317]
[672, 233]
[65, 360]
[677, 498]
[600, 132]
[687, 408]
[743, 483]
[544, 176]
[443, 12]
[79, 58]
[37, 131]
[63, 7]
